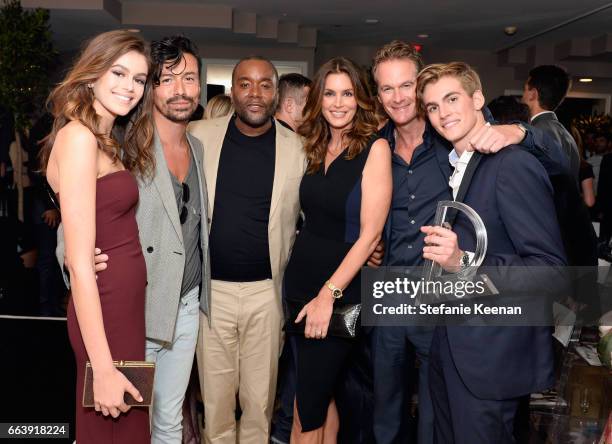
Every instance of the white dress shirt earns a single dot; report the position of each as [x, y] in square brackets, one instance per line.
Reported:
[460, 164]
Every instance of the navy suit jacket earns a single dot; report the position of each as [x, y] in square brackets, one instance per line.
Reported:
[512, 194]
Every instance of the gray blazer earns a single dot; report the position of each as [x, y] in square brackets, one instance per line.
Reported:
[161, 239]
[549, 122]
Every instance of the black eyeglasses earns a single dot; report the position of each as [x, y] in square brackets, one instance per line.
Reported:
[184, 210]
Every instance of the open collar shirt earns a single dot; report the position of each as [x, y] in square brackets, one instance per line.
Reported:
[417, 188]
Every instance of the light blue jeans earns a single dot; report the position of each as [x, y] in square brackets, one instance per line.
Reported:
[173, 364]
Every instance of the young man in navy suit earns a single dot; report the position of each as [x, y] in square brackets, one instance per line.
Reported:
[478, 374]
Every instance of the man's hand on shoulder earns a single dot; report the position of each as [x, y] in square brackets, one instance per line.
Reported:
[492, 138]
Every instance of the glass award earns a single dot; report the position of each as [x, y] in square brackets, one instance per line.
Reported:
[433, 270]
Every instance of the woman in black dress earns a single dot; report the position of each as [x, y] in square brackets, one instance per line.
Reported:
[345, 196]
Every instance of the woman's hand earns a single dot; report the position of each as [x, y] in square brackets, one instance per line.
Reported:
[109, 387]
[318, 313]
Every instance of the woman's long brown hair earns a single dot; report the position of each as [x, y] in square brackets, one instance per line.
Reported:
[315, 128]
[73, 99]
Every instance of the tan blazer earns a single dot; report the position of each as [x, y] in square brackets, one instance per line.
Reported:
[288, 171]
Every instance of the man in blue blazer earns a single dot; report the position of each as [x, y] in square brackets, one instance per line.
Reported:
[478, 374]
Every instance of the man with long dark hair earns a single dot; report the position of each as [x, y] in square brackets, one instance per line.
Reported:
[177, 250]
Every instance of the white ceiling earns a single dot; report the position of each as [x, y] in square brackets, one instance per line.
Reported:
[460, 24]
[457, 24]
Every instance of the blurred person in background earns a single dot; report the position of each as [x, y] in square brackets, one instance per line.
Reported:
[544, 90]
[293, 90]
[508, 109]
[45, 218]
[218, 106]
[598, 147]
[7, 135]
[577, 232]
[604, 195]
[586, 174]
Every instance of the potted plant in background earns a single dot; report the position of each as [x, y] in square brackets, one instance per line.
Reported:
[26, 58]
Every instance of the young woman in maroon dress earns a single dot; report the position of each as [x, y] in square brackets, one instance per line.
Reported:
[92, 176]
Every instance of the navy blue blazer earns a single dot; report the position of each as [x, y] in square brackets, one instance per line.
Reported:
[512, 194]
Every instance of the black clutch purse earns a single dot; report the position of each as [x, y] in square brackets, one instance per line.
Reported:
[343, 322]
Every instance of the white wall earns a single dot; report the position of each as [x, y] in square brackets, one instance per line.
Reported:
[272, 53]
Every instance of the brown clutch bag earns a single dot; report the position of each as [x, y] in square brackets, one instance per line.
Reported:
[140, 373]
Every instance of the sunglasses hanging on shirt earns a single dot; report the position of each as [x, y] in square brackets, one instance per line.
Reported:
[184, 210]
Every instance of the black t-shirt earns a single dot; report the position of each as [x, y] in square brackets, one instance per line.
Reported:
[239, 247]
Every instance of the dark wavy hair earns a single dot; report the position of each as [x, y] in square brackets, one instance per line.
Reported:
[315, 128]
[72, 100]
[171, 50]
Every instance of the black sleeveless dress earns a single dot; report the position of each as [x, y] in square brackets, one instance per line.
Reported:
[331, 203]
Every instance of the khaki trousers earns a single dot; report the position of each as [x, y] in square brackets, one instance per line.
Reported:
[239, 354]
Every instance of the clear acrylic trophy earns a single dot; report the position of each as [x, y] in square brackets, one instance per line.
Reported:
[433, 270]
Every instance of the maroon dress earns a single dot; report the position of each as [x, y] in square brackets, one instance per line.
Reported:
[122, 296]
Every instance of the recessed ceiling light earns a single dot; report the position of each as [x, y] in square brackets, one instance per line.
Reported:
[422, 36]
[371, 21]
[585, 80]
[510, 30]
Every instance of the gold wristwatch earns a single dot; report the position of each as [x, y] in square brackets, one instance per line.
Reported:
[335, 291]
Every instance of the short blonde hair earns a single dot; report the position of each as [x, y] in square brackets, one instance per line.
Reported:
[396, 50]
[469, 79]
[218, 106]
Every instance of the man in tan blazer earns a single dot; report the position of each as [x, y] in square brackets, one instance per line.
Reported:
[253, 168]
